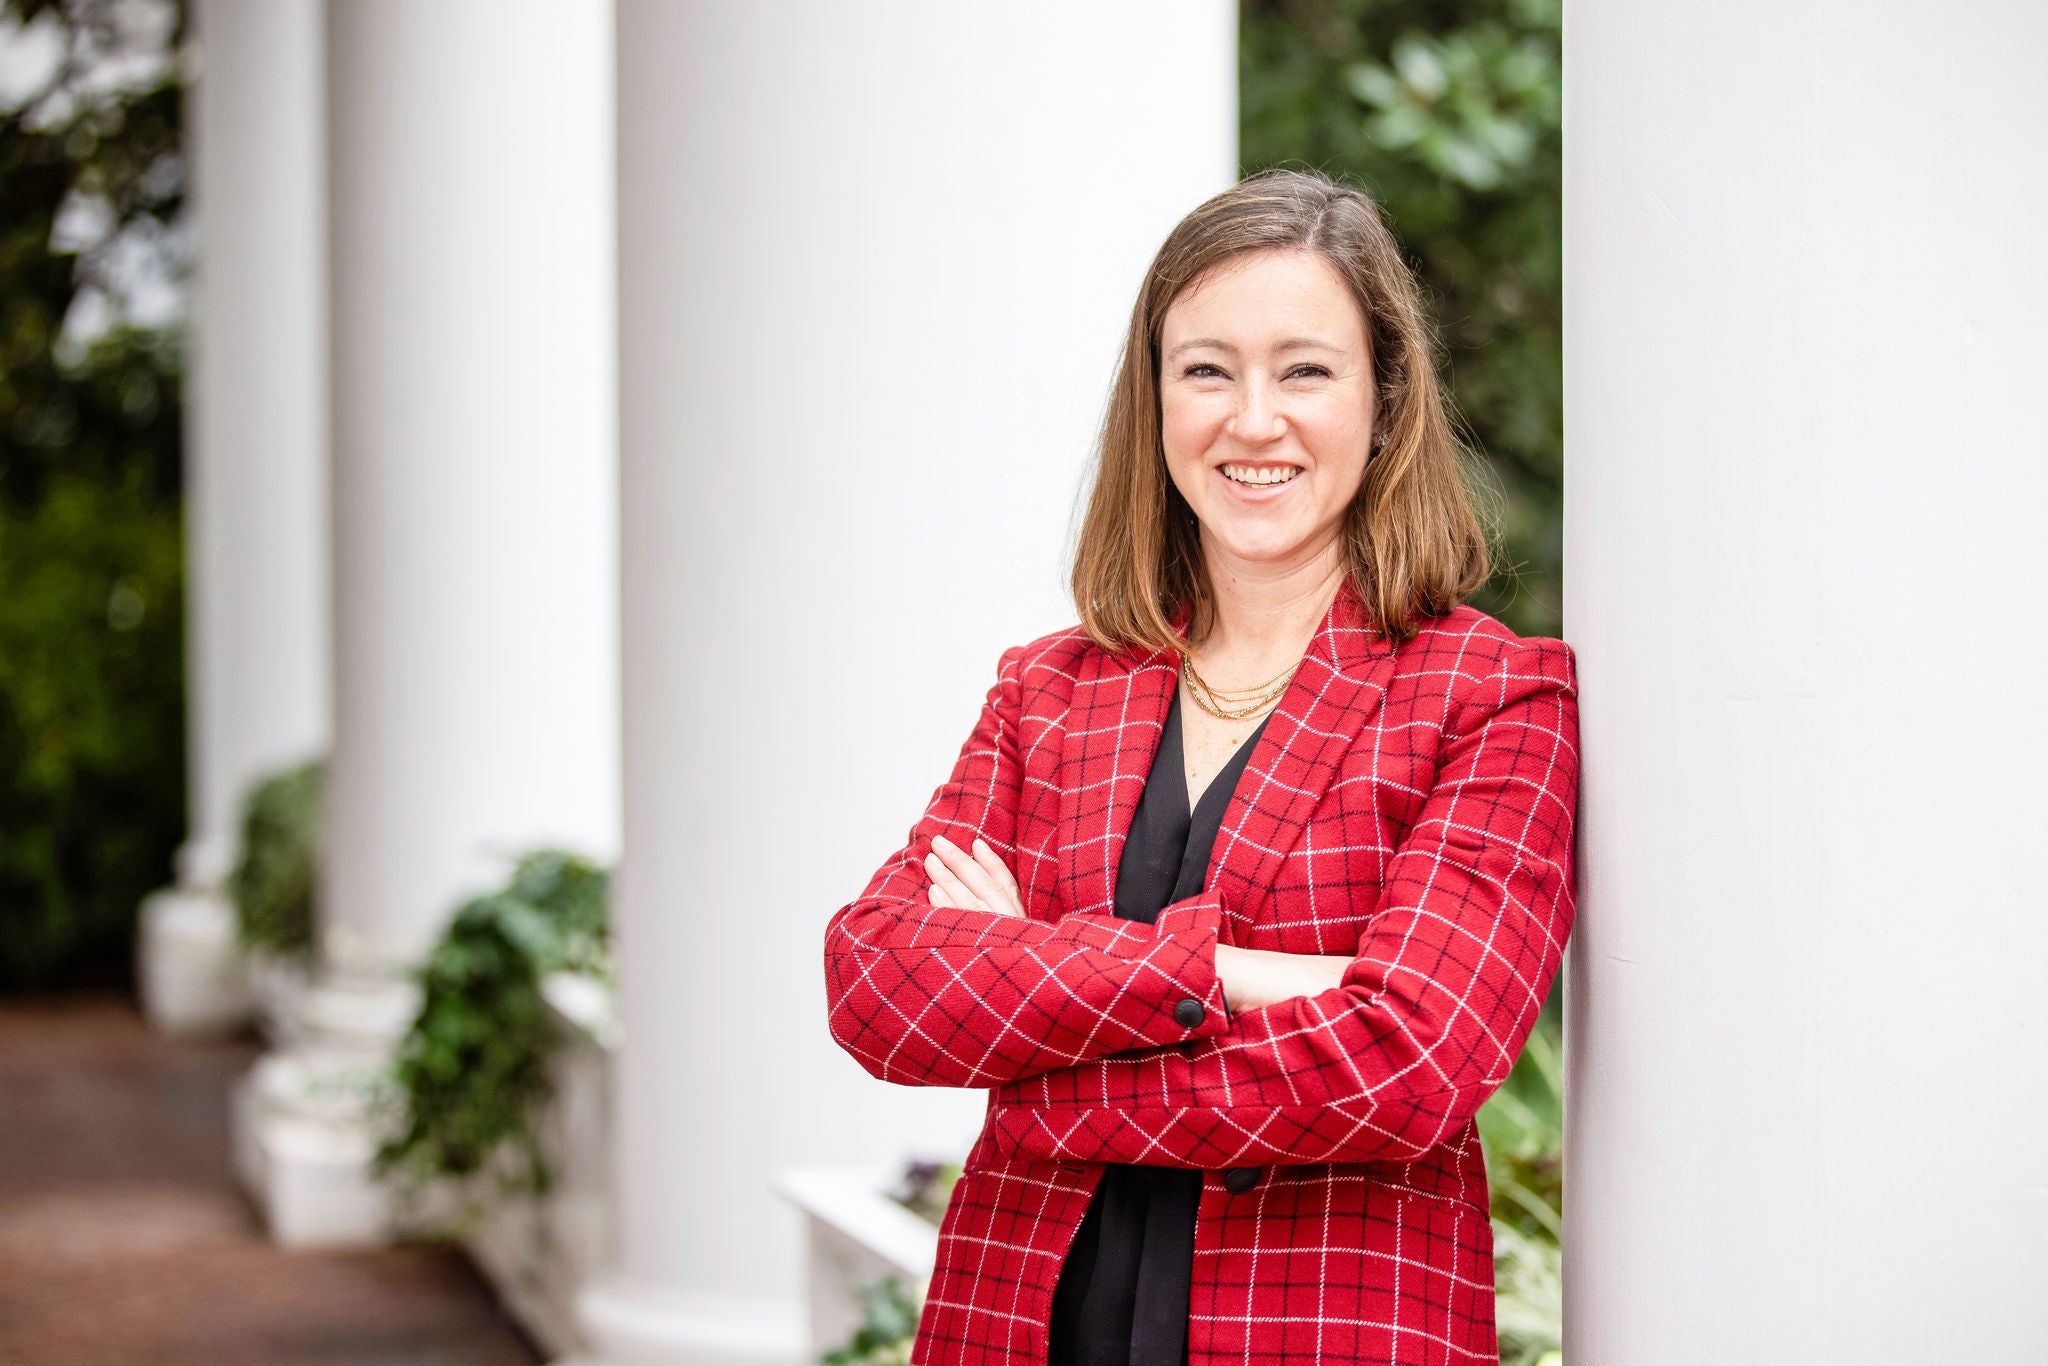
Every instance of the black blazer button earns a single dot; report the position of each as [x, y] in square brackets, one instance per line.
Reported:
[1188, 1013]
[1238, 1180]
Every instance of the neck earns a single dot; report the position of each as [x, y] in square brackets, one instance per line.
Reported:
[1267, 609]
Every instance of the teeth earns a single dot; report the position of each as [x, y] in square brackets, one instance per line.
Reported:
[1255, 477]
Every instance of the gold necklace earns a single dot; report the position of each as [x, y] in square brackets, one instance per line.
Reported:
[1235, 704]
[1255, 690]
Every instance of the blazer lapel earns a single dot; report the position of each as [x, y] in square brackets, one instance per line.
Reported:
[1114, 722]
[1338, 688]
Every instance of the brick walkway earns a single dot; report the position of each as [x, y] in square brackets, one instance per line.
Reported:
[123, 1239]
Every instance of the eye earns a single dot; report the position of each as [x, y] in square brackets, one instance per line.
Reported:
[1309, 370]
[1202, 369]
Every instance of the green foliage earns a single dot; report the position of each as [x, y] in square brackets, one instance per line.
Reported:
[887, 1329]
[92, 729]
[472, 1073]
[1522, 1130]
[272, 883]
[91, 722]
[1447, 111]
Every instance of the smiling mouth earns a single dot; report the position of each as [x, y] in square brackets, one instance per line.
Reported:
[1259, 476]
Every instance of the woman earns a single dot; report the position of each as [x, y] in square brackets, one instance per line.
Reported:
[1244, 893]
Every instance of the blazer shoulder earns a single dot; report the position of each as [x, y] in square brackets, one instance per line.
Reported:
[1480, 649]
[1047, 668]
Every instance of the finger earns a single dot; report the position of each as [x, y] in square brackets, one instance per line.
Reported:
[1006, 886]
[942, 877]
[948, 862]
[937, 895]
[952, 855]
[988, 858]
[945, 883]
[983, 887]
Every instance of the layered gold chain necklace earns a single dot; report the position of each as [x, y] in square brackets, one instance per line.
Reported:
[1235, 704]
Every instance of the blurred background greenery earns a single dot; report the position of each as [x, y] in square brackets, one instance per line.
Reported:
[92, 702]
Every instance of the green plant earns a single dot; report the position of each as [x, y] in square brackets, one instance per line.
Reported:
[888, 1327]
[272, 881]
[473, 1070]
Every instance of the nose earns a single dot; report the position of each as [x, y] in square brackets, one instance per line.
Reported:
[1257, 419]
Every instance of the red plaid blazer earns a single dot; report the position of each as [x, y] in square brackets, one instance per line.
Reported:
[1410, 806]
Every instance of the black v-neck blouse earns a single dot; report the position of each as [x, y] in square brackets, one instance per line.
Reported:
[1122, 1297]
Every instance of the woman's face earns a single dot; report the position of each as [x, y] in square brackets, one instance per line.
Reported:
[1266, 406]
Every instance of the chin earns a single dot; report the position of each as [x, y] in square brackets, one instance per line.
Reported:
[1256, 548]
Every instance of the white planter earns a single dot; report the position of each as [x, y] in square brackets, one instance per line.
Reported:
[189, 970]
[854, 1235]
[311, 1114]
[305, 1132]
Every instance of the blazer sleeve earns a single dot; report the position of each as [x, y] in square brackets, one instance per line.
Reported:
[940, 996]
[1431, 1014]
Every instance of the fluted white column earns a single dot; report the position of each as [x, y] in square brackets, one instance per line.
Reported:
[1806, 467]
[875, 262]
[474, 493]
[255, 475]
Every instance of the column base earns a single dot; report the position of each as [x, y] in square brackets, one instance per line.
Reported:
[635, 1325]
[308, 1118]
[277, 986]
[192, 975]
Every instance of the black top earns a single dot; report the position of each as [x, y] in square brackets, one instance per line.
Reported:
[1122, 1298]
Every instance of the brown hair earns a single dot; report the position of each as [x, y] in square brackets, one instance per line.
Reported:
[1416, 547]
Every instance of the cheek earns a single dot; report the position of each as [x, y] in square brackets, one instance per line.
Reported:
[1187, 427]
[1340, 439]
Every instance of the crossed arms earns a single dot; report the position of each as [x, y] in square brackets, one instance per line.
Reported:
[1082, 1026]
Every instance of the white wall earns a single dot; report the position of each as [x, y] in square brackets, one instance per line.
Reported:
[1805, 487]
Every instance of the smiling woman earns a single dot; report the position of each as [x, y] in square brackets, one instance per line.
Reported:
[1245, 892]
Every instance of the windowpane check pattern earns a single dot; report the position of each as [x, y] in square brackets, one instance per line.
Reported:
[1410, 807]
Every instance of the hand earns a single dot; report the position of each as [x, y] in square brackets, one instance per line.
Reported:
[1262, 977]
[979, 881]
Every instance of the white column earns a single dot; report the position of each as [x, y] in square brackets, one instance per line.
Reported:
[1804, 360]
[255, 471]
[474, 499]
[875, 263]
[475, 484]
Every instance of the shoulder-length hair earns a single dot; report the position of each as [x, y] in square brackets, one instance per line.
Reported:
[1416, 548]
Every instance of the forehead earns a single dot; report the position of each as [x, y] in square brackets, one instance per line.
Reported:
[1280, 292]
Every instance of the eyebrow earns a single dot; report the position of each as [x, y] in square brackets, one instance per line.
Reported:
[1289, 344]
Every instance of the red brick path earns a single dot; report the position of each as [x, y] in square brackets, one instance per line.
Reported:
[123, 1239]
